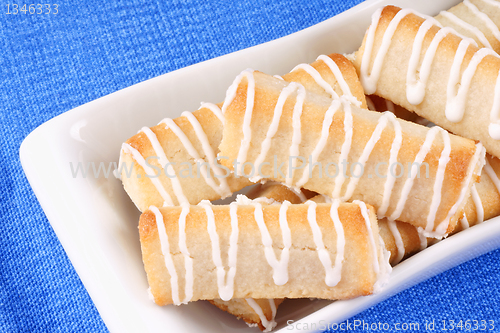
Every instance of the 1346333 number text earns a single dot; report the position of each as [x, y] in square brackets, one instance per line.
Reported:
[33, 9]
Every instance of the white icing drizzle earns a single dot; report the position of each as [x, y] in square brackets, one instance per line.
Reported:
[149, 172]
[273, 127]
[334, 68]
[388, 186]
[242, 199]
[364, 212]
[225, 280]
[215, 110]
[296, 124]
[395, 147]
[485, 18]
[266, 201]
[116, 172]
[313, 72]
[443, 226]
[188, 261]
[423, 241]
[296, 134]
[325, 132]
[353, 181]
[492, 174]
[339, 231]
[337, 73]
[223, 188]
[273, 312]
[455, 105]
[247, 119]
[393, 158]
[492, 3]
[422, 153]
[385, 266]
[160, 153]
[170, 124]
[464, 222]
[444, 158]
[369, 81]
[479, 205]
[345, 149]
[415, 89]
[398, 240]
[167, 257]
[268, 324]
[494, 127]
[453, 96]
[233, 240]
[332, 275]
[466, 26]
[225, 283]
[280, 267]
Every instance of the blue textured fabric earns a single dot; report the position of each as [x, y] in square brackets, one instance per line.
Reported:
[50, 64]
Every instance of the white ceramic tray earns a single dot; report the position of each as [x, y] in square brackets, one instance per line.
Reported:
[97, 223]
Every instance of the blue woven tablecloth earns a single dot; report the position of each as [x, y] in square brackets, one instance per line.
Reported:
[50, 64]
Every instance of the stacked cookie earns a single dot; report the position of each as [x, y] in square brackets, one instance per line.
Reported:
[387, 187]
[479, 21]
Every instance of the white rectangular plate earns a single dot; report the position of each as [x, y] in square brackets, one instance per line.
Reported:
[97, 223]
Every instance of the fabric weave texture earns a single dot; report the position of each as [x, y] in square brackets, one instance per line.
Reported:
[50, 64]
